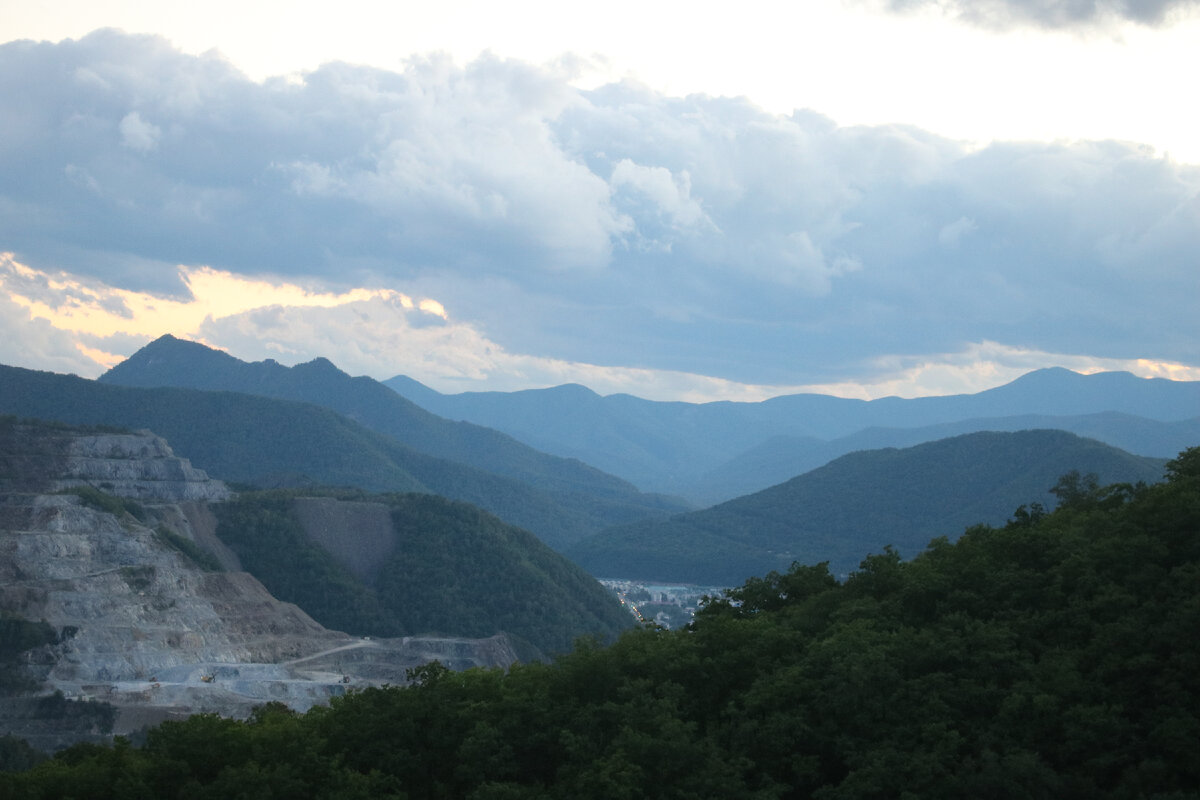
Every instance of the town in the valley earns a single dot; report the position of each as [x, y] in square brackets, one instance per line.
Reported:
[670, 605]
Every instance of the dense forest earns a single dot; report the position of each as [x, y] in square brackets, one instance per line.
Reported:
[269, 443]
[858, 504]
[1053, 656]
[450, 569]
[708, 453]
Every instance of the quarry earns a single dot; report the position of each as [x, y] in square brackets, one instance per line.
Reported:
[151, 616]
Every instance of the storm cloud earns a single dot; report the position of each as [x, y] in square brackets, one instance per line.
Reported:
[616, 226]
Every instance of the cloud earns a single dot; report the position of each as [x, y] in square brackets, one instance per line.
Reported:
[983, 365]
[617, 227]
[950, 235]
[37, 344]
[87, 306]
[669, 195]
[137, 134]
[1056, 14]
[73, 327]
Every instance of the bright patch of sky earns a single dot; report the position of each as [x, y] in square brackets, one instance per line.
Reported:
[383, 333]
[675, 200]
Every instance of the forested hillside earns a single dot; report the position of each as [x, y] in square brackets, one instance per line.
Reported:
[1053, 657]
[857, 504]
[781, 458]
[443, 568]
[585, 490]
[710, 452]
[270, 443]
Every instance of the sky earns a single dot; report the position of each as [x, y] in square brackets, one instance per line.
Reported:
[674, 200]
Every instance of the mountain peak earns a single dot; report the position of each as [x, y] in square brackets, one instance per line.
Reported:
[167, 361]
[318, 363]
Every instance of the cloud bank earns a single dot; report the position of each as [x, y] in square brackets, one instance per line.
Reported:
[610, 229]
[1056, 14]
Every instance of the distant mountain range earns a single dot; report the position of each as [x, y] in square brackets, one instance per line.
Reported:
[267, 425]
[782, 457]
[712, 452]
[168, 361]
[592, 497]
[857, 505]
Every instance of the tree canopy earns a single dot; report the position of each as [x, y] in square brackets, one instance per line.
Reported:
[1053, 656]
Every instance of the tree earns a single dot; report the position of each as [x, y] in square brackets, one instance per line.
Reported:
[1074, 490]
[1185, 465]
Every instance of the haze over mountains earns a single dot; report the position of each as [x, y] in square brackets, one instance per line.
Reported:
[712, 452]
[251, 437]
[387, 557]
[860, 504]
[312, 424]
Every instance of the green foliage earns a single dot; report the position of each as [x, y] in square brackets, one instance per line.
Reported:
[109, 504]
[272, 442]
[1185, 466]
[10, 421]
[453, 570]
[1050, 657]
[197, 554]
[18, 636]
[89, 716]
[138, 577]
[17, 756]
[264, 532]
[459, 570]
[861, 502]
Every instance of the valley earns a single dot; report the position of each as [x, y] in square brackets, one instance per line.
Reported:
[659, 401]
[336, 547]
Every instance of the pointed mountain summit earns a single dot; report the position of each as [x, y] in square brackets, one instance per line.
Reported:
[168, 361]
[593, 499]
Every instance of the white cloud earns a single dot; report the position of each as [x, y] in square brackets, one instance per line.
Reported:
[617, 226]
[34, 343]
[671, 194]
[452, 155]
[984, 365]
[950, 235]
[1057, 14]
[61, 323]
[137, 134]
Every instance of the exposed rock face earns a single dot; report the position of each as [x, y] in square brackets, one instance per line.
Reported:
[140, 624]
[360, 535]
[141, 466]
[138, 604]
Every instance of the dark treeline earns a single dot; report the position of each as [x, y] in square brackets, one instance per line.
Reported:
[1056, 656]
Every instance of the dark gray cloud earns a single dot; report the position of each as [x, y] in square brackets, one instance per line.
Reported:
[617, 226]
[1056, 14]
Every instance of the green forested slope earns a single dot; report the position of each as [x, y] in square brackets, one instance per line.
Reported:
[686, 448]
[572, 484]
[1054, 657]
[454, 570]
[271, 442]
[858, 504]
